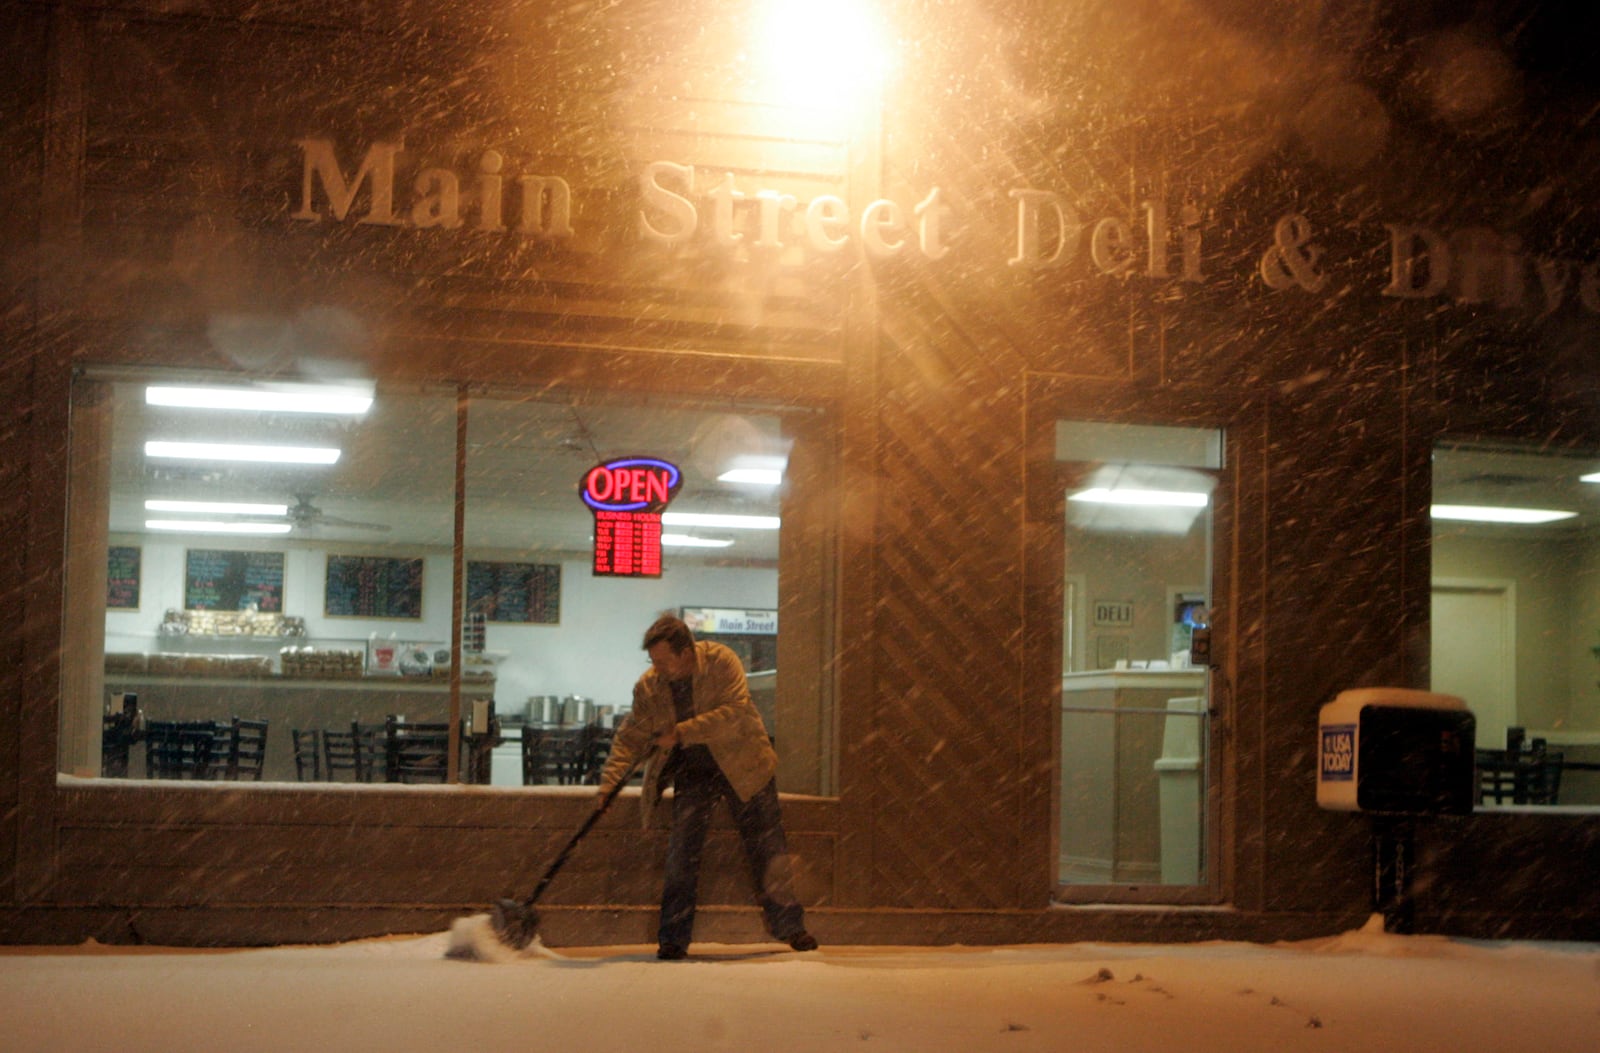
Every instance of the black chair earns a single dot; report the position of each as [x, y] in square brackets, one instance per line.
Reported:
[371, 751]
[249, 749]
[593, 747]
[307, 753]
[186, 749]
[416, 752]
[340, 753]
[118, 733]
[1519, 776]
[477, 761]
[549, 756]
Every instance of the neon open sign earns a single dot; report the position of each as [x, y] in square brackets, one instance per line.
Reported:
[627, 496]
[631, 484]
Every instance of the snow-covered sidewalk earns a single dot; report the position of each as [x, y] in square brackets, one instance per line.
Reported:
[1357, 992]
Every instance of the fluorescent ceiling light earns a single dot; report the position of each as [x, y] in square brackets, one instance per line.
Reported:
[279, 398]
[1592, 477]
[213, 526]
[690, 541]
[223, 508]
[757, 476]
[727, 522]
[1144, 498]
[1491, 514]
[225, 451]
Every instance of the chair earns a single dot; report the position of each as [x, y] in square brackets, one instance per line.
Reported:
[477, 762]
[186, 749]
[416, 752]
[1519, 776]
[249, 749]
[117, 736]
[549, 756]
[341, 753]
[371, 751]
[594, 746]
[307, 753]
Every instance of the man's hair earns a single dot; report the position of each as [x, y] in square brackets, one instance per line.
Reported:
[669, 629]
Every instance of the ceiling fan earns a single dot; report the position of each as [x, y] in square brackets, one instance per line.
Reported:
[305, 515]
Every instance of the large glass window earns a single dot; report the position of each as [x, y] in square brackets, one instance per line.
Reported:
[1135, 791]
[245, 554]
[1516, 615]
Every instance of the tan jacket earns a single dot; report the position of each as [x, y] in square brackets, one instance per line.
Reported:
[725, 721]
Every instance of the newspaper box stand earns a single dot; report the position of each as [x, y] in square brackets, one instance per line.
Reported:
[1396, 754]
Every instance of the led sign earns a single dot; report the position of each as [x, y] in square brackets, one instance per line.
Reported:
[627, 497]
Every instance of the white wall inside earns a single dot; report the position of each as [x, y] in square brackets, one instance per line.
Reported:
[1557, 619]
[594, 651]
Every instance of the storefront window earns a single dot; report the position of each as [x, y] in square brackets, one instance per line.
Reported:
[1516, 615]
[295, 564]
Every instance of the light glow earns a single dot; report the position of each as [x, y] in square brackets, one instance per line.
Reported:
[691, 541]
[226, 451]
[216, 508]
[1492, 514]
[1141, 498]
[278, 398]
[754, 476]
[214, 526]
[821, 54]
[725, 522]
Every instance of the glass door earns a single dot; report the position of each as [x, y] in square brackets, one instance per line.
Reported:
[1134, 801]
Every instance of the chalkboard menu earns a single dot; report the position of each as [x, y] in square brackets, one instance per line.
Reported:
[221, 580]
[515, 592]
[373, 587]
[122, 577]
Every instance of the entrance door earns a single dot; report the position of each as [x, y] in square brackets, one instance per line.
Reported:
[1135, 803]
[1474, 649]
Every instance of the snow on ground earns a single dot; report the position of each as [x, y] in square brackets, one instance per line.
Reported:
[1358, 991]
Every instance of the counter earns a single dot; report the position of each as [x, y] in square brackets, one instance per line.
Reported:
[1118, 729]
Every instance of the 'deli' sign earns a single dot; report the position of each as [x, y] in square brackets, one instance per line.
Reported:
[627, 497]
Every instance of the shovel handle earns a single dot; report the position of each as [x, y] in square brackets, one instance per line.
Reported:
[588, 824]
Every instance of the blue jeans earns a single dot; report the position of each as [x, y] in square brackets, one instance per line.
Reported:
[760, 830]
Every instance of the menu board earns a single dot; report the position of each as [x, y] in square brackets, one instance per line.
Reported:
[627, 544]
[515, 592]
[122, 577]
[373, 587]
[222, 580]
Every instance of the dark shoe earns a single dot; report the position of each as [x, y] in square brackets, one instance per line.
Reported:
[802, 941]
[671, 952]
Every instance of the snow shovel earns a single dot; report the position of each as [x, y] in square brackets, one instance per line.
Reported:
[516, 922]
